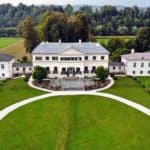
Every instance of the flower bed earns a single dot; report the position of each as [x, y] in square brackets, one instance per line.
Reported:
[97, 85]
[46, 85]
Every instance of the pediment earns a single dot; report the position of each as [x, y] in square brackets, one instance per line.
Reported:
[70, 51]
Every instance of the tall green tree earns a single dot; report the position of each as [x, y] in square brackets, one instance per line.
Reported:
[53, 27]
[142, 41]
[102, 73]
[29, 33]
[69, 10]
[115, 43]
[39, 74]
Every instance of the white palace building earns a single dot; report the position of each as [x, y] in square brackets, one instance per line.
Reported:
[70, 59]
[75, 60]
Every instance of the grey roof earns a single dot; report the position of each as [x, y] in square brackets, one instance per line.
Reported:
[137, 56]
[55, 48]
[18, 64]
[5, 57]
[116, 64]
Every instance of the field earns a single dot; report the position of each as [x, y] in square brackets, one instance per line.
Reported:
[13, 91]
[128, 88]
[14, 47]
[76, 123]
[5, 42]
[104, 39]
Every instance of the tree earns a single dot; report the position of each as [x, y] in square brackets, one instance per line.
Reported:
[102, 73]
[28, 32]
[142, 41]
[116, 56]
[69, 10]
[114, 43]
[39, 74]
[24, 59]
[53, 27]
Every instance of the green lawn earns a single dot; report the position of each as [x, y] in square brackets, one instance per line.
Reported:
[75, 123]
[5, 42]
[104, 39]
[128, 88]
[13, 91]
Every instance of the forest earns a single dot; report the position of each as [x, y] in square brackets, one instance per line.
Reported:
[105, 20]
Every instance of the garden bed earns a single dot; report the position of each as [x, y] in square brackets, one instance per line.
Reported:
[96, 85]
[46, 85]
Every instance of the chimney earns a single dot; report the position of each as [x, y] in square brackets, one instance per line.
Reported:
[132, 51]
[59, 41]
[97, 45]
[80, 41]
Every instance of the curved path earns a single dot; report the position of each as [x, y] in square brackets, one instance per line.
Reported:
[9, 109]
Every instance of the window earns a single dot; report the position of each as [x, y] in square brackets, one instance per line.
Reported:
[63, 71]
[47, 58]
[70, 58]
[55, 58]
[3, 74]
[134, 65]
[24, 69]
[55, 70]
[86, 58]
[78, 71]
[93, 69]
[142, 64]
[148, 72]
[38, 58]
[114, 68]
[133, 72]
[141, 72]
[2, 66]
[30, 68]
[17, 69]
[48, 70]
[119, 67]
[86, 70]
[102, 57]
[94, 57]
[149, 64]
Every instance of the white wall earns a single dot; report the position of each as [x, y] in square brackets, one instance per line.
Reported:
[7, 71]
[117, 69]
[129, 67]
[21, 70]
[67, 64]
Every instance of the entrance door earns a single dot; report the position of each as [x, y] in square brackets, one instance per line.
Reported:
[71, 71]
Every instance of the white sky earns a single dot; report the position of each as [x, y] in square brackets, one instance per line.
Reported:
[74, 2]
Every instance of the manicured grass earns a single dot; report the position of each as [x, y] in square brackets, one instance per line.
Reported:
[128, 88]
[104, 39]
[145, 82]
[18, 50]
[13, 91]
[5, 42]
[76, 123]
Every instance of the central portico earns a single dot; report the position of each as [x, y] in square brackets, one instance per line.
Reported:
[70, 59]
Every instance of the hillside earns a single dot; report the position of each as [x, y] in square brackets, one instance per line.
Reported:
[16, 49]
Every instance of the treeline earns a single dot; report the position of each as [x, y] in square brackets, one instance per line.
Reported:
[106, 20]
[54, 26]
[8, 32]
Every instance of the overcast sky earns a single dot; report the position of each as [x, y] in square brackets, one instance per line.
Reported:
[74, 2]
